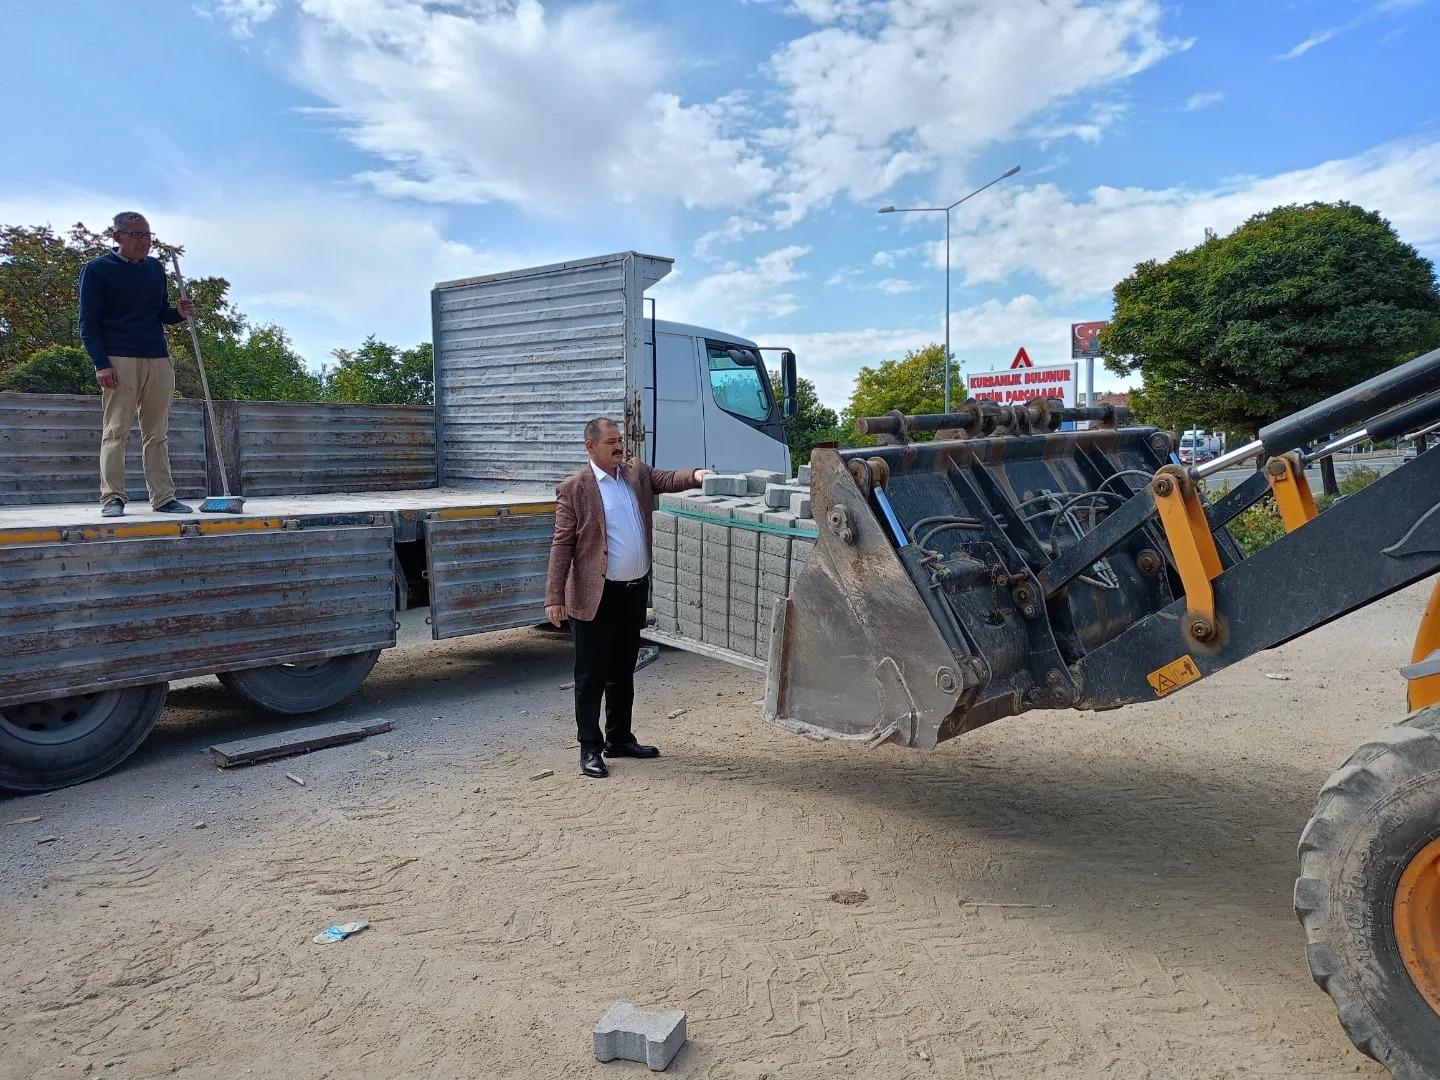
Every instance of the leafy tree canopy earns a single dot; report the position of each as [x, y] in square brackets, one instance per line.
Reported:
[381, 374]
[813, 423]
[56, 369]
[913, 384]
[1297, 304]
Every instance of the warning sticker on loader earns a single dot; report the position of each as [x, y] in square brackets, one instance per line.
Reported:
[1173, 676]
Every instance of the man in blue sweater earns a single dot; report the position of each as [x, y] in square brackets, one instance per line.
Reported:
[123, 308]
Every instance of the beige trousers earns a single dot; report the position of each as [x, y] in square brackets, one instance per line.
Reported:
[146, 383]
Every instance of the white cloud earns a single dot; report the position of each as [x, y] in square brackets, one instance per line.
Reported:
[934, 84]
[1102, 117]
[243, 16]
[734, 230]
[736, 296]
[1196, 102]
[895, 286]
[553, 110]
[562, 107]
[1373, 12]
[1082, 246]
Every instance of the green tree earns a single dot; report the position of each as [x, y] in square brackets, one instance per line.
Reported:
[913, 384]
[39, 291]
[57, 369]
[381, 374]
[1297, 304]
[812, 424]
[258, 363]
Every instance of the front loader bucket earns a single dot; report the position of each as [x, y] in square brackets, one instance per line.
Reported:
[920, 615]
[853, 653]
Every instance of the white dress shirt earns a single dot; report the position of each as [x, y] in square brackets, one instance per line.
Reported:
[626, 555]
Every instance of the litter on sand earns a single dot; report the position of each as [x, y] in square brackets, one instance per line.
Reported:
[338, 932]
[292, 777]
[24, 820]
[1277, 676]
[542, 774]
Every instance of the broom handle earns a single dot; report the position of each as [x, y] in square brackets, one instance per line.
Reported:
[204, 382]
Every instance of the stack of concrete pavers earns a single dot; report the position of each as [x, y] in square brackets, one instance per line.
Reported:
[725, 553]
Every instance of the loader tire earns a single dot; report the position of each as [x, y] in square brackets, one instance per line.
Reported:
[1368, 896]
[52, 744]
[293, 689]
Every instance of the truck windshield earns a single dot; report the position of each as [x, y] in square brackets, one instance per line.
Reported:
[737, 380]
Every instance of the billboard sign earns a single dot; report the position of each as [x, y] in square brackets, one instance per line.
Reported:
[1085, 339]
[1018, 385]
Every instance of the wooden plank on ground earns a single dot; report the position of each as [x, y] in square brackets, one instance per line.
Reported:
[294, 741]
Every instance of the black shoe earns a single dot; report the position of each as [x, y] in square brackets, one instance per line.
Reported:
[592, 766]
[113, 508]
[631, 749]
[174, 506]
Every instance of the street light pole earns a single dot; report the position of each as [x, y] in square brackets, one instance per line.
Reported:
[946, 211]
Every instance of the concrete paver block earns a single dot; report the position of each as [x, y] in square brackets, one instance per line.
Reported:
[803, 475]
[633, 1034]
[759, 479]
[770, 544]
[800, 505]
[663, 522]
[725, 485]
[753, 512]
[778, 495]
[783, 518]
[687, 566]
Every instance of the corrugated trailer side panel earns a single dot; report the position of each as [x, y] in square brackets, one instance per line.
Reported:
[50, 450]
[294, 448]
[523, 359]
[80, 617]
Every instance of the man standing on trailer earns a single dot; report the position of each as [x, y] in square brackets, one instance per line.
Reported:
[124, 307]
[599, 577]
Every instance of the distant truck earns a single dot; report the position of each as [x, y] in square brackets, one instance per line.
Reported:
[352, 513]
[1198, 446]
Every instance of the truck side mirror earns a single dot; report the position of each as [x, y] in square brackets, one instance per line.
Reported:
[787, 382]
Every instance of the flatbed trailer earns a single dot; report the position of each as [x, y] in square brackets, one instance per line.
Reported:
[289, 604]
[351, 513]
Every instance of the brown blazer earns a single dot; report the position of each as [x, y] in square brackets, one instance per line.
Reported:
[577, 553]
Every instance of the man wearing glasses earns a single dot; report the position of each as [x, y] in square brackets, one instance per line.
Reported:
[124, 306]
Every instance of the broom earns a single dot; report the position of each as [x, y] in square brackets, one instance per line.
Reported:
[215, 504]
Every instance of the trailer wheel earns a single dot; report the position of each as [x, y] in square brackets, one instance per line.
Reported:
[52, 744]
[292, 689]
[1368, 896]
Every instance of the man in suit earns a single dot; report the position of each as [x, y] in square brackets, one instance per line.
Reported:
[599, 578]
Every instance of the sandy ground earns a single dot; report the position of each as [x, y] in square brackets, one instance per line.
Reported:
[1067, 895]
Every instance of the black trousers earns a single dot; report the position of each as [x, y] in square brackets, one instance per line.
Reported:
[605, 651]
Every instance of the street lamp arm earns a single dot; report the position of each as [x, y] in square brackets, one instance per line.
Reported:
[913, 209]
[1009, 172]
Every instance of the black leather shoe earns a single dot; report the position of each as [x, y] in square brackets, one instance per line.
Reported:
[631, 749]
[113, 508]
[174, 506]
[592, 766]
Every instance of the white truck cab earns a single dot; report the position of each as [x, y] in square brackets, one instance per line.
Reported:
[708, 400]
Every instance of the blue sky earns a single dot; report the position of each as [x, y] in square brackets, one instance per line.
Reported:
[334, 158]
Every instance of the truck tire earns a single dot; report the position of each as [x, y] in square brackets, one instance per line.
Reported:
[292, 689]
[1368, 896]
[52, 744]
